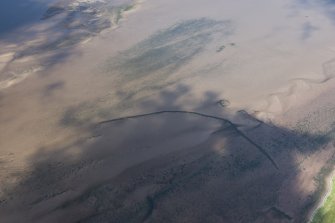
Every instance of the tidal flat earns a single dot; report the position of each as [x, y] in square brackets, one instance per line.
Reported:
[168, 111]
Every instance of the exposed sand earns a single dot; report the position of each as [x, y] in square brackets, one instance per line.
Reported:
[228, 112]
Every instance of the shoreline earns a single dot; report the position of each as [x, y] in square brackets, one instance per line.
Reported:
[329, 188]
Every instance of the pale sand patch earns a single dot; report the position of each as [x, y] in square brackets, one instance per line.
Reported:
[16, 78]
[4, 59]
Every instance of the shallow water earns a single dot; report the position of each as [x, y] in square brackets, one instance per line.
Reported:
[17, 13]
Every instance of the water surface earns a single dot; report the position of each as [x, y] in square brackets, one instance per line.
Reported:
[17, 13]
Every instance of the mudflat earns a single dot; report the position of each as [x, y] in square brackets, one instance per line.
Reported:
[168, 111]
